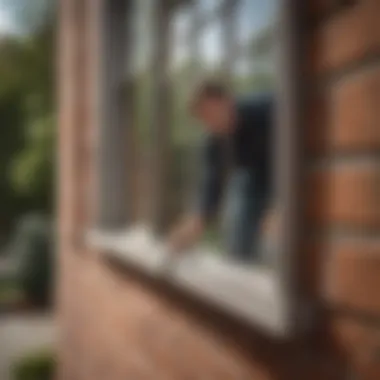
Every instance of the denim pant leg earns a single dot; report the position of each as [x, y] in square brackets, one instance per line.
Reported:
[245, 206]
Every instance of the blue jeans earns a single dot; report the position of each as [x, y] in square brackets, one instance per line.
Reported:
[246, 202]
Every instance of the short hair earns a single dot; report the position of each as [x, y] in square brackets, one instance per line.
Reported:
[208, 88]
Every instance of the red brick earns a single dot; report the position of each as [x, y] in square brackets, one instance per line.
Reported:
[360, 344]
[353, 276]
[355, 113]
[348, 37]
[347, 118]
[346, 195]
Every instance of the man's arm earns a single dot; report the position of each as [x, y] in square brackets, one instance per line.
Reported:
[189, 231]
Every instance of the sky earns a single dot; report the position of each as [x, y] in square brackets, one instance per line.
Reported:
[6, 22]
[22, 16]
[252, 16]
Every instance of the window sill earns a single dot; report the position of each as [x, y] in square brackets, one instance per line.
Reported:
[249, 293]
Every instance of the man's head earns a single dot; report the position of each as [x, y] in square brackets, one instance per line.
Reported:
[212, 104]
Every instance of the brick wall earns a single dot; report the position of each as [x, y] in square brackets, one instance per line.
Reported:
[115, 325]
[344, 173]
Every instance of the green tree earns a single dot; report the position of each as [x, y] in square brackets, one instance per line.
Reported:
[32, 170]
[26, 109]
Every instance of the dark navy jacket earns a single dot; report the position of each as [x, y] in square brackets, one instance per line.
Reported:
[248, 148]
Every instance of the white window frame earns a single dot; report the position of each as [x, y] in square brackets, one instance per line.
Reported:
[268, 299]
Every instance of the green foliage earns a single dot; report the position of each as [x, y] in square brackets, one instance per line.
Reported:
[11, 140]
[32, 249]
[26, 109]
[39, 365]
[32, 169]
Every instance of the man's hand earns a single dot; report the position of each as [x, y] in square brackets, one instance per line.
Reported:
[186, 234]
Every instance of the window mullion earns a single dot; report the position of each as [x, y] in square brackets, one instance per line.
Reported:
[113, 174]
[161, 119]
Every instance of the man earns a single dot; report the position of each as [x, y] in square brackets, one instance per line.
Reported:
[238, 141]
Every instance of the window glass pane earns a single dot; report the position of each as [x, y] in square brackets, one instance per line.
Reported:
[187, 67]
[212, 47]
[253, 17]
[236, 192]
[180, 34]
[184, 132]
[208, 6]
[255, 67]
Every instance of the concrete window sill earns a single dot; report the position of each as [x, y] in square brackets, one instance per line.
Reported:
[250, 293]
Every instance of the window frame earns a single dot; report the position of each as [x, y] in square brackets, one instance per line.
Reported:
[276, 305]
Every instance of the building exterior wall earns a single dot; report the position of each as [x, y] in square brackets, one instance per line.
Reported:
[114, 325]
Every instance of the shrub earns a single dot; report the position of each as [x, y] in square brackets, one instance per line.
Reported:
[32, 249]
[35, 366]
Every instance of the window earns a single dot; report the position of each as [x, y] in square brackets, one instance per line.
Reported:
[149, 148]
[255, 64]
